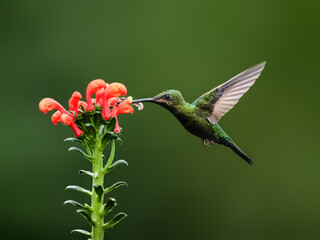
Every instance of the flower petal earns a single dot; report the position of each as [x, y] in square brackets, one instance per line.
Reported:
[93, 87]
[115, 90]
[49, 104]
[74, 101]
[56, 117]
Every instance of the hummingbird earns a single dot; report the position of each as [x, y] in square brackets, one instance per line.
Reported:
[201, 117]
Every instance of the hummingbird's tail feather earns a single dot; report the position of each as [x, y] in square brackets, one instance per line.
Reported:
[238, 151]
[225, 140]
[231, 144]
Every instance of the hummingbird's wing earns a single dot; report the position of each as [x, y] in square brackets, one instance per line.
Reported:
[221, 99]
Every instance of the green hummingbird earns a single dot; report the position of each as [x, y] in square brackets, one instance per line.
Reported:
[201, 117]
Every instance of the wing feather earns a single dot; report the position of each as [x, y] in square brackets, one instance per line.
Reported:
[225, 96]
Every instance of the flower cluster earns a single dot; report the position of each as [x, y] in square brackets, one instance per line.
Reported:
[109, 97]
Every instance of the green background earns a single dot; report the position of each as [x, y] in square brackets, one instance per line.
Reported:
[177, 188]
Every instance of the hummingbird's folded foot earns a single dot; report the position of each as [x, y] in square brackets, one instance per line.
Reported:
[207, 143]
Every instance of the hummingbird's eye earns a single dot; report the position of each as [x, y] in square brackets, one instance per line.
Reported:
[166, 97]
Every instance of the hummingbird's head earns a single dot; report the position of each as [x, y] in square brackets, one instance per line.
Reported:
[169, 99]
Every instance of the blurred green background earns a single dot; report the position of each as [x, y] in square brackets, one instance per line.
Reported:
[177, 188]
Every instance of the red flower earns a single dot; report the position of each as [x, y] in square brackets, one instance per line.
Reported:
[121, 108]
[83, 104]
[49, 104]
[113, 101]
[93, 87]
[56, 117]
[74, 101]
[106, 96]
[68, 120]
[99, 97]
[113, 90]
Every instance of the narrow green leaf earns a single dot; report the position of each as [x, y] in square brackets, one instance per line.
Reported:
[87, 143]
[86, 215]
[101, 128]
[81, 232]
[111, 156]
[90, 130]
[112, 125]
[74, 203]
[115, 220]
[79, 189]
[72, 139]
[117, 163]
[105, 140]
[111, 203]
[115, 186]
[119, 140]
[81, 109]
[81, 151]
[84, 172]
[99, 190]
[88, 125]
[97, 119]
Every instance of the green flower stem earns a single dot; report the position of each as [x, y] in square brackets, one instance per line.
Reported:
[96, 199]
[95, 139]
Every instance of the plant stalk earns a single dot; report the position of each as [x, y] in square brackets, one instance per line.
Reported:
[96, 200]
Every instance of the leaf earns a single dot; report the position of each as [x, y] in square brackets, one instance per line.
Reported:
[115, 186]
[90, 129]
[82, 172]
[74, 203]
[105, 140]
[72, 139]
[119, 140]
[81, 151]
[97, 119]
[112, 125]
[101, 129]
[99, 190]
[117, 163]
[111, 156]
[86, 215]
[88, 145]
[81, 109]
[111, 203]
[88, 125]
[81, 232]
[79, 189]
[115, 220]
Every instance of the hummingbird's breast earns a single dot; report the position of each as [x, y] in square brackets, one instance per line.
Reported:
[197, 125]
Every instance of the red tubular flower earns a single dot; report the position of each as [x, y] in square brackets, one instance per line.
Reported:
[99, 97]
[83, 104]
[93, 87]
[106, 96]
[56, 117]
[74, 101]
[77, 131]
[122, 108]
[49, 104]
[113, 101]
[113, 90]
[68, 120]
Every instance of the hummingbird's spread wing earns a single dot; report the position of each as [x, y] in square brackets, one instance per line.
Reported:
[221, 99]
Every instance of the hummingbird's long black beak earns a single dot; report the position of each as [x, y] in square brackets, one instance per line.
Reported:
[144, 100]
